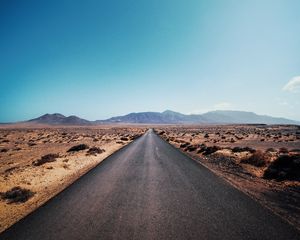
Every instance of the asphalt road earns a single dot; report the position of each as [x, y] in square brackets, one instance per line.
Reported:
[150, 190]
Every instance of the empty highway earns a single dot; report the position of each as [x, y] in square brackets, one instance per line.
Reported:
[150, 190]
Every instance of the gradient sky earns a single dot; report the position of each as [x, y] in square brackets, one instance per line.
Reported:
[98, 59]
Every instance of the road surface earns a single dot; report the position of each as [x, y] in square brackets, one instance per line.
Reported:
[150, 190]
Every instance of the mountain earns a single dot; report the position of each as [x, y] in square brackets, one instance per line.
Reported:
[166, 117]
[59, 119]
[230, 116]
[213, 117]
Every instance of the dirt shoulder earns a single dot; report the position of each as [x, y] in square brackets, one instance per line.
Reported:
[39, 161]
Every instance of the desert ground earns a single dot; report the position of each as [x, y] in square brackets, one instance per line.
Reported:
[262, 161]
[37, 163]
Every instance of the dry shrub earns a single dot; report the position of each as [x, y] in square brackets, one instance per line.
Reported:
[30, 144]
[285, 167]
[77, 148]
[208, 150]
[270, 150]
[124, 139]
[191, 148]
[243, 149]
[257, 159]
[283, 150]
[17, 195]
[184, 145]
[295, 151]
[94, 151]
[45, 159]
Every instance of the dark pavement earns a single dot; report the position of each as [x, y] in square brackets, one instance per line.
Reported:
[150, 190]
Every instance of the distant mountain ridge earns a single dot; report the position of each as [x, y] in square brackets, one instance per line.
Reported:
[167, 117]
[59, 119]
[213, 117]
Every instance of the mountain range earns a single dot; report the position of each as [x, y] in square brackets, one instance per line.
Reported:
[167, 117]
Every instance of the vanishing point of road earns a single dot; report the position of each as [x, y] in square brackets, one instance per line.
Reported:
[150, 190]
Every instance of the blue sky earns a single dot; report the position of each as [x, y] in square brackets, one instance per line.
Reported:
[98, 59]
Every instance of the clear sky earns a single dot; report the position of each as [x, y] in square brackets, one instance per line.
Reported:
[98, 59]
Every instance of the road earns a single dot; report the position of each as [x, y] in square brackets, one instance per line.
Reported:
[150, 190]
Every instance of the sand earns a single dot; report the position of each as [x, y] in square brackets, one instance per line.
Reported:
[20, 148]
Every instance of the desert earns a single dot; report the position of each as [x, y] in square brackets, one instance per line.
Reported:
[38, 162]
[261, 160]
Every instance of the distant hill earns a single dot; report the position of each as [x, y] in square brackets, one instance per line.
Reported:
[59, 119]
[214, 117]
[244, 117]
[166, 117]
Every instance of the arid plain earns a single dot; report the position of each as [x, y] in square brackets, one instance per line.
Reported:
[36, 163]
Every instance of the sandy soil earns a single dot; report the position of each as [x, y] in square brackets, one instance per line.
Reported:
[281, 196]
[20, 148]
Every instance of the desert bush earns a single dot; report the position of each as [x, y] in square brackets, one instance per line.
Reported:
[295, 150]
[17, 195]
[283, 150]
[210, 150]
[184, 145]
[8, 170]
[202, 148]
[30, 144]
[206, 135]
[257, 159]
[124, 138]
[4, 150]
[77, 148]
[242, 149]
[45, 159]
[95, 151]
[191, 148]
[270, 150]
[285, 167]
